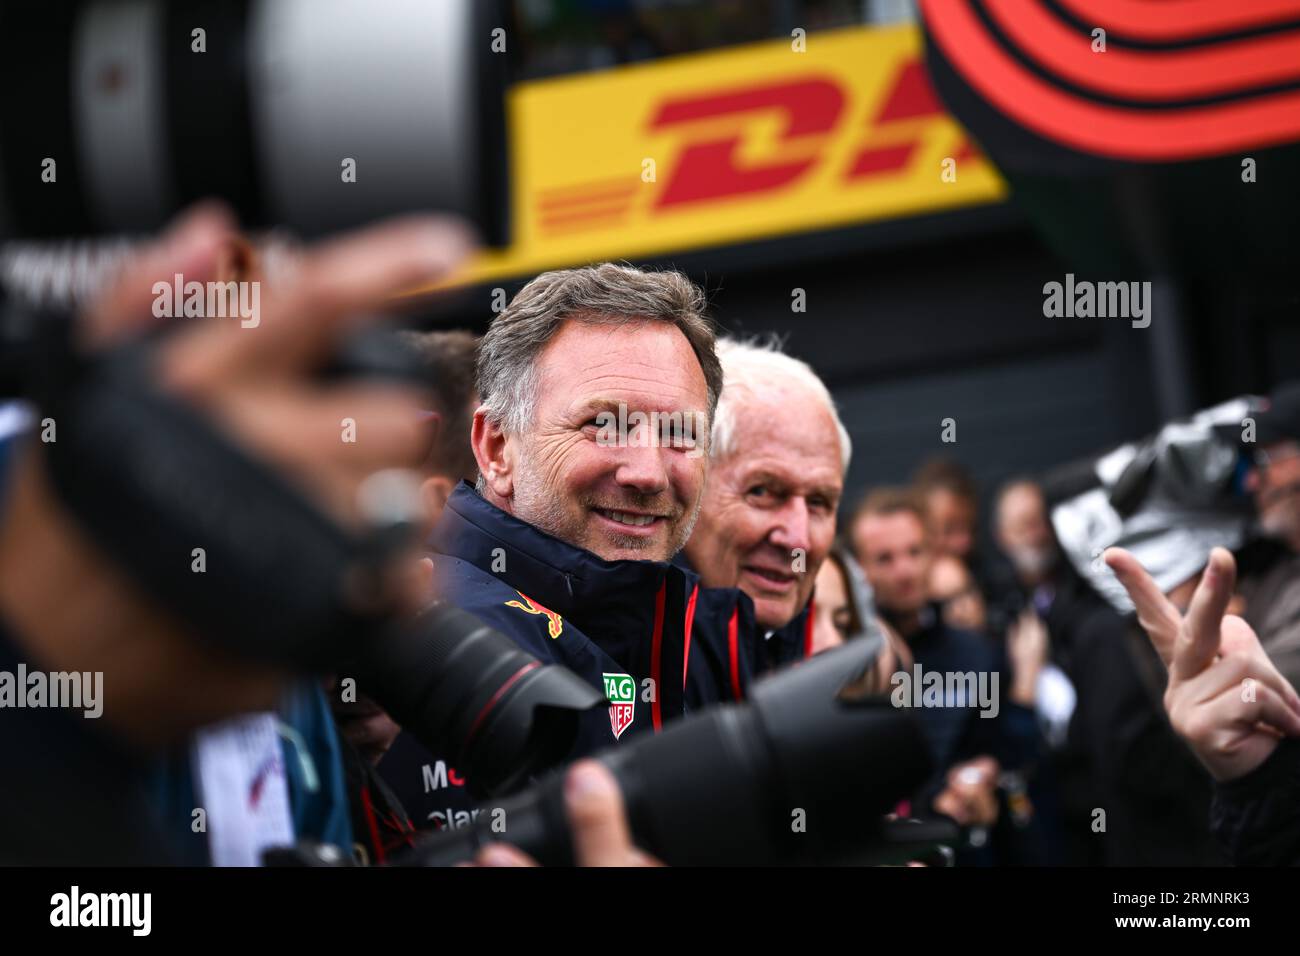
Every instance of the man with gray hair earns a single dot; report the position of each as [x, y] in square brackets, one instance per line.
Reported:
[575, 353]
[597, 387]
[779, 455]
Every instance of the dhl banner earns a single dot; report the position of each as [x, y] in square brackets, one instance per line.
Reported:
[731, 146]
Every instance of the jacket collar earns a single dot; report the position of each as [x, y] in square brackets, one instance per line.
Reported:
[571, 581]
[791, 639]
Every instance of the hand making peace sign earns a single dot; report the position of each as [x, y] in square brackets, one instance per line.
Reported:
[1225, 697]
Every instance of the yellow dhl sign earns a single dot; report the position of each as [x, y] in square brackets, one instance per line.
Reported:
[731, 146]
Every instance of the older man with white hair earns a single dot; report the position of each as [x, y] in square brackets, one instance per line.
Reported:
[779, 453]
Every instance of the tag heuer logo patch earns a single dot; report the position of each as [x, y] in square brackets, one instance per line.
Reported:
[620, 690]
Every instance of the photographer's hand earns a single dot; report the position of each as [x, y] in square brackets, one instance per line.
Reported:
[596, 818]
[69, 607]
[1224, 697]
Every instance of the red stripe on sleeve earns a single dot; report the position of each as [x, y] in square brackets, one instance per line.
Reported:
[656, 661]
[808, 631]
[690, 622]
[733, 651]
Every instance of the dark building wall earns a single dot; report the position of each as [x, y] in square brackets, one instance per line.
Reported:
[909, 337]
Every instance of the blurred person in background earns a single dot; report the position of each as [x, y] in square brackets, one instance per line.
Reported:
[966, 793]
[838, 618]
[398, 786]
[1022, 604]
[1098, 699]
[1269, 563]
[891, 540]
[892, 545]
[1024, 534]
[1036, 684]
[952, 587]
[948, 493]
[950, 497]
[450, 357]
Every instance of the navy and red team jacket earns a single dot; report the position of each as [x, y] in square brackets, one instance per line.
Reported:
[642, 625]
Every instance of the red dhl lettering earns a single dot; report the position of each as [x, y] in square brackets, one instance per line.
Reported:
[812, 113]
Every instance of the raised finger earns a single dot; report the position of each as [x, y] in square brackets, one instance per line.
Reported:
[346, 282]
[1199, 637]
[1157, 615]
[190, 247]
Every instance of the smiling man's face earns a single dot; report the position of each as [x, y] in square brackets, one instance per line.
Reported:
[634, 498]
[772, 498]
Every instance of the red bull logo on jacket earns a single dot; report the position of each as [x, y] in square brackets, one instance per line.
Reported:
[554, 623]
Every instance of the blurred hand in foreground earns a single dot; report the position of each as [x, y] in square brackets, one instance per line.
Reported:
[600, 832]
[1225, 697]
[68, 606]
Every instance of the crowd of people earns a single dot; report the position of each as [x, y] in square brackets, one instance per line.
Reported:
[1078, 765]
[573, 504]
